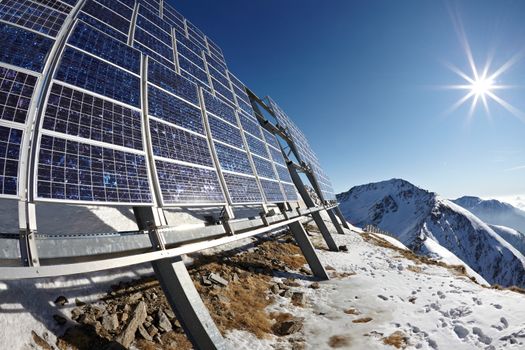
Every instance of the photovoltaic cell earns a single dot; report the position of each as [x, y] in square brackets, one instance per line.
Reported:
[196, 81]
[232, 159]
[216, 64]
[264, 168]
[290, 192]
[251, 126]
[219, 108]
[223, 90]
[79, 114]
[117, 7]
[256, 146]
[70, 170]
[152, 29]
[174, 110]
[190, 55]
[186, 184]
[153, 17]
[271, 139]
[149, 52]
[277, 156]
[23, 48]
[103, 27]
[10, 142]
[171, 81]
[16, 90]
[283, 173]
[173, 143]
[154, 44]
[33, 16]
[242, 189]
[225, 132]
[188, 43]
[272, 191]
[98, 43]
[86, 71]
[55, 4]
[193, 69]
[107, 16]
[219, 77]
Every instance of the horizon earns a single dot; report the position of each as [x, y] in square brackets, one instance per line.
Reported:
[377, 73]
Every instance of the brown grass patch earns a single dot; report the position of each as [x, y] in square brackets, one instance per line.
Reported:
[397, 339]
[414, 268]
[339, 341]
[515, 289]
[362, 320]
[352, 311]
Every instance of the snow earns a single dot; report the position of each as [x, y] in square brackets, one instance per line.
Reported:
[391, 240]
[449, 312]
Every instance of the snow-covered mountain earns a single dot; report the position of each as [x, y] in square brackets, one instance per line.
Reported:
[434, 226]
[494, 212]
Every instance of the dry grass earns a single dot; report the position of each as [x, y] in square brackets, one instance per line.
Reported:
[515, 289]
[414, 268]
[339, 341]
[397, 339]
[362, 320]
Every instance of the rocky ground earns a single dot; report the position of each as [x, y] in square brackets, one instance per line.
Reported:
[136, 314]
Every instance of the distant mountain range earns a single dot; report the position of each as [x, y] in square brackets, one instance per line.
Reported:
[434, 226]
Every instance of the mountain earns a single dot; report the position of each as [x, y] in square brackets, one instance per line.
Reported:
[431, 225]
[494, 212]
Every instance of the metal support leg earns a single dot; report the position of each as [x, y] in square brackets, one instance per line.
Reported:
[325, 232]
[27, 230]
[336, 223]
[308, 250]
[341, 217]
[187, 304]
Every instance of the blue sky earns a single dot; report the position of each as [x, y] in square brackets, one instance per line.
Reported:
[362, 79]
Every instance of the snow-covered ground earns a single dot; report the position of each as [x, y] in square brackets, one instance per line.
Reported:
[432, 306]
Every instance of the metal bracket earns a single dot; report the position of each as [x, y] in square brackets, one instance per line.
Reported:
[28, 230]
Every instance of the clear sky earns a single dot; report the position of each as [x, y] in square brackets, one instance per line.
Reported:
[363, 79]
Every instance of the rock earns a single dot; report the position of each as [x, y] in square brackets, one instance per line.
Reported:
[158, 339]
[170, 314]
[124, 317]
[40, 342]
[164, 323]
[206, 282]
[291, 283]
[110, 323]
[98, 311]
[139, 316]
[79, 303]
[61, 301]
[135, 298]
[380, 296]
[144, 333]
[153, 331]
[286, 293]
[343, 248]
[298, 298]
[60, 320]
[215, 278]
[149, 319]
[235, 277]
[282, 286]
[315, 285]
[288, 327]
[275, 289]
[76, 313]
[177, 324]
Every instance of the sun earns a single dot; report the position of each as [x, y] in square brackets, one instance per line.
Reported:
[482, 87]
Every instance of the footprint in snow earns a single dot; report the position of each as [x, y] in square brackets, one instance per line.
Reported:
[461, 331]
[482, 337]
[504, 324]
[497, 306]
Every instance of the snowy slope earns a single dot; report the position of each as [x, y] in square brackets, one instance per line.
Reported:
[494, 212]
[514, 237]
[415, 215]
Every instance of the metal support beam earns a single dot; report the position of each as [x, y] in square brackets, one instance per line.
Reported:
[187, 304]
[325, 231]
[27, 230]
[338, 212]
[301, 237]
[336, 223]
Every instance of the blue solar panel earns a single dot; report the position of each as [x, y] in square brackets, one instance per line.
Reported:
[74, 171]
[103, 27]
[149, 52]
[193, 69]
[117, 7]
[173, 143]
[256, 146]
[186, 184]
[264, 168]
[216, 64]
[242, 189]
[33, 16]
[70, 2]
[23, 48]
[10, 142]
[174, 110]
[96, 42]
[223, 90]
[196, 81]
[107, 16]
[147, 12]
[16, 90]
[251, 126]
[191, 56]
[86, 71]
[56, 4]
[232, 159]
[271, 139]
[156, 31]
[283, 173]
[219, 108]
[171, 81]
[225, 132]
[79, 114]
[272, 191]
[219, 77]
[173, 18]
[277, 156]
[154, 44]
[188, 43]
[290, 192]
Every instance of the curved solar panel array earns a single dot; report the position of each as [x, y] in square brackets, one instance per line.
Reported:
[136, 107]
[306, 153]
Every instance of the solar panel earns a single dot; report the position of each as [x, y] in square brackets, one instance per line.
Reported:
[90, 73]
[168, 79]
[34, 16]
[117, 7]
[107, 16]
[243, 189]
[10, 143]
[23, 48]
[56, 4]
[92, 21]
[16, 90]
